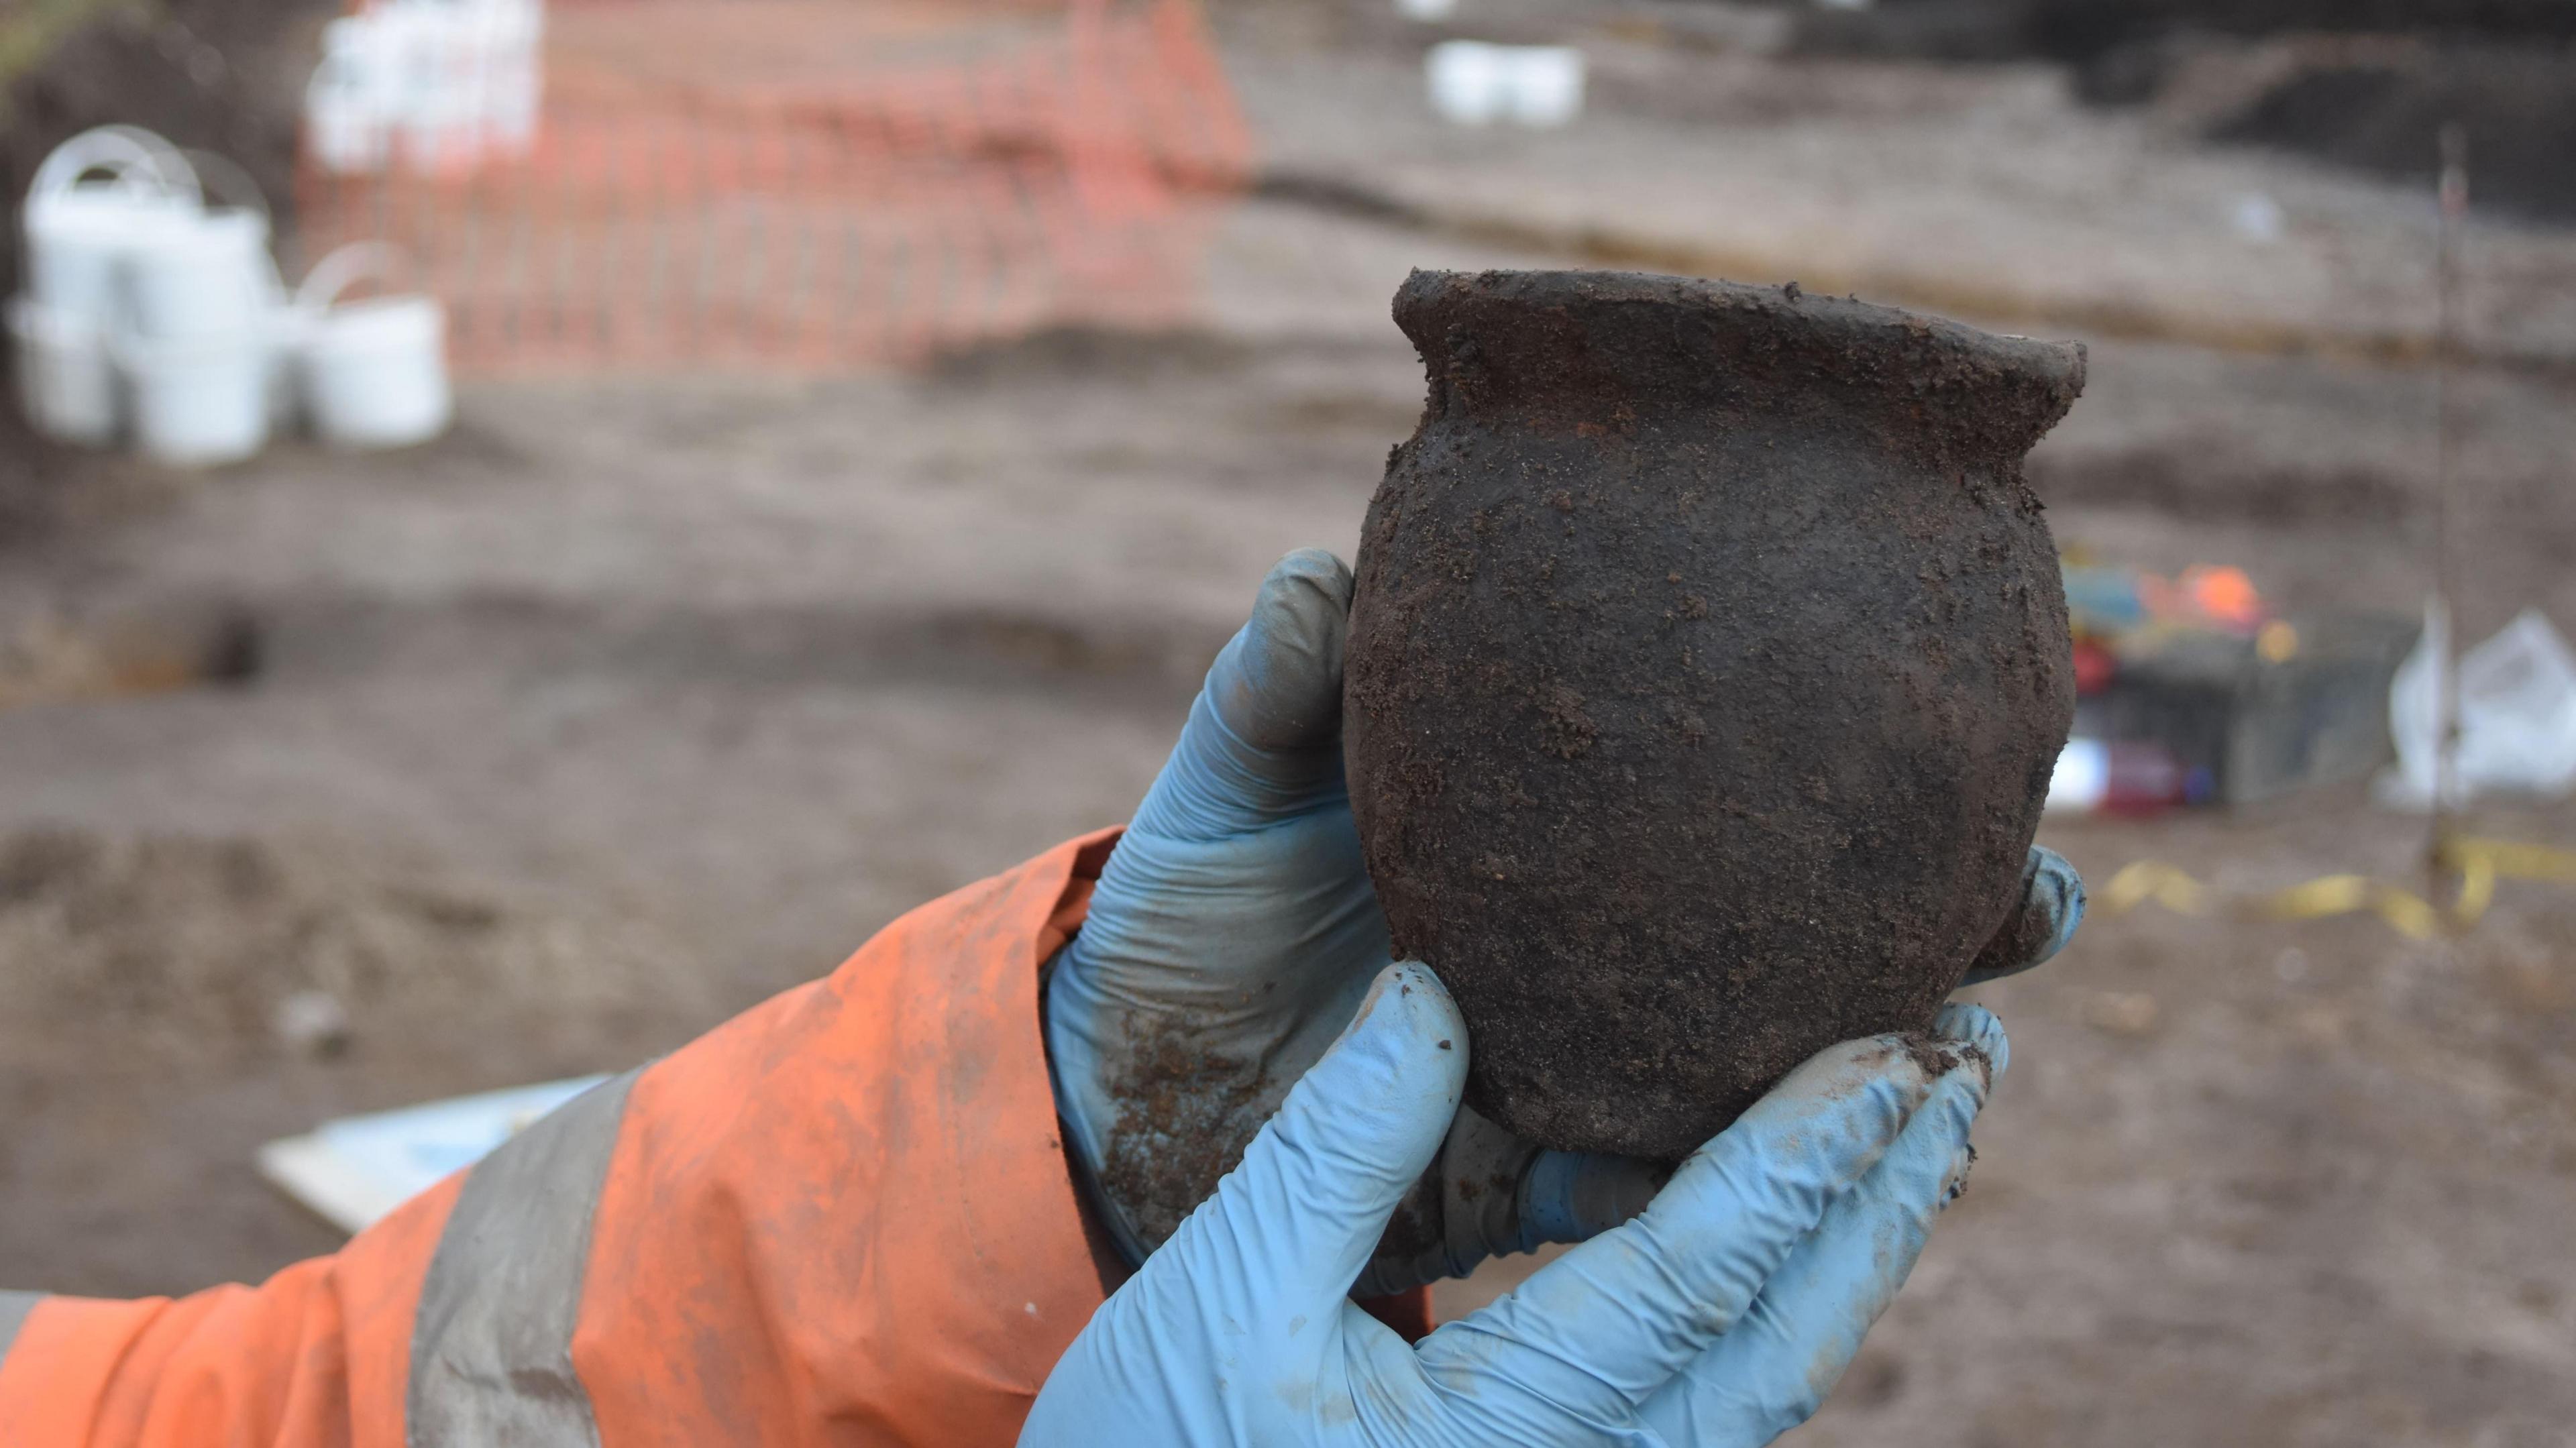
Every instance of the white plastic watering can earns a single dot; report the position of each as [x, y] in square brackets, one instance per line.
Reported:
[78, 228]
[95, 198]
[207, 272]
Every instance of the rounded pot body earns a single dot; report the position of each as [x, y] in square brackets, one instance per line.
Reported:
[1706, 671]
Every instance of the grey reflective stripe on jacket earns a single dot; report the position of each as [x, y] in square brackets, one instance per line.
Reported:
[491, 1347]
[14, 1307]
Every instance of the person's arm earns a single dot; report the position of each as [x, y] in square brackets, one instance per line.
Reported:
[849, 1206]
[310, 1357]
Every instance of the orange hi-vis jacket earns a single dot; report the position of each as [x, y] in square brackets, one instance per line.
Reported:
[844, 1217]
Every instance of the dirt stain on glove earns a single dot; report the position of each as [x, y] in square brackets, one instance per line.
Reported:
[1185, 1114]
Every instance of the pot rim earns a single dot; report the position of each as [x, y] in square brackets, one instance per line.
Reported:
[1574, 344]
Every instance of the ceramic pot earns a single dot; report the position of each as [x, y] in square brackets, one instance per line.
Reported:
[1707, 667]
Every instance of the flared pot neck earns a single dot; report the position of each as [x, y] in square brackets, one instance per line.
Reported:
[1579, 351]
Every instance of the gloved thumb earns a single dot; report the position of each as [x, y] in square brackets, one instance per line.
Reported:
[1263, 741]
[1294, 1224]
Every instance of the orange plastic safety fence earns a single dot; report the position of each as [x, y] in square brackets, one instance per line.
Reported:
[814, 184]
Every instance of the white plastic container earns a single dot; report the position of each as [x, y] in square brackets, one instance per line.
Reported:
[1467, 81]
[374, 371]
[79, 227]
[1546, 84]
[350, 102]
[511, 77]
[2513, 715]
[67, 384]
[199, 401]
[1473, 83]
[208, 276]
[440, 122]
[208, 272]
[438, 84]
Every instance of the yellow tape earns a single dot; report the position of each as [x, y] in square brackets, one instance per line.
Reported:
[2146, 880]
[2479, 863]
[2510, 859]
[2408, 913]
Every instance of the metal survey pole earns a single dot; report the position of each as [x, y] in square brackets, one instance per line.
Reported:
[2454, 215]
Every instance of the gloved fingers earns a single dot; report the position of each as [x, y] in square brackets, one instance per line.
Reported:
[1976, 1028]
[1263, 739]
[1774, 1369]
[1575, 1196]
[1607, 1325]
[1962, 1163]
[2052, 905]
[1293, 1224]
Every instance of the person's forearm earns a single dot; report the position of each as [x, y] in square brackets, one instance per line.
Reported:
[849, 1204]
[313, 1356]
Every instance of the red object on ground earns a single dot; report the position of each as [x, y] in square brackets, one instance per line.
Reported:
[2094, 667]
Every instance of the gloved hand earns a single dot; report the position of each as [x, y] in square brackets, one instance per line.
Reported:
[1234, 931]
[1720, 1316]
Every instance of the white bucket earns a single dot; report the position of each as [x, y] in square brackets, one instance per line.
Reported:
[66, 380]
[441, 49]
[1467, 81]
[1473, 83]
[1547, 84]
[507, 75]
[344, 126]
[209, 276]
[199, 401]
[355, 93]
[78, 230]
[375, 371]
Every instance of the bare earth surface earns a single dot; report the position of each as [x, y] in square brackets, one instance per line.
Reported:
[633, 702]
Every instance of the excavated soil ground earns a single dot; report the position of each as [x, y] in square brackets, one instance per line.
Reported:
[629, 704]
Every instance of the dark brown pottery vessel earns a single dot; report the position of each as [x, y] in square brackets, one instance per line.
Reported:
[1707, 668]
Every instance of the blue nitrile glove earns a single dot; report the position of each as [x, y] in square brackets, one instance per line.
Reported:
[1720, 1316]
[1232, 935]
